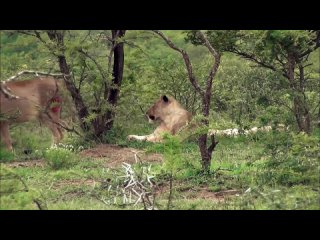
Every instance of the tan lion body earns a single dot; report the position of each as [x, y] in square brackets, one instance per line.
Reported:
[36, 100]
[171, 117]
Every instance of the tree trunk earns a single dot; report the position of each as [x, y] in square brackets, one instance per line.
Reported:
[318, 124]
[206, 152]
[302, 115]
[205, 157]
[106, 122]
[307, 126]
[58, 38]
[300, 106]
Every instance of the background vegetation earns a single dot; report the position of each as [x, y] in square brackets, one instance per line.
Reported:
[274, 170]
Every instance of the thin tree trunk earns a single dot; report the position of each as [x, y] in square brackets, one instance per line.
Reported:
[206, 152]
[202, 141]
[302, 115]
[118, 64]
[306, 113]
[170, 191]
[206, 159]
[58, 38]
[300, 108]
[105, 122]
[319, 117]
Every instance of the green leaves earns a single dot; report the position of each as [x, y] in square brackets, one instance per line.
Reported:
[15, 194]
[59, 157]
[222, 40]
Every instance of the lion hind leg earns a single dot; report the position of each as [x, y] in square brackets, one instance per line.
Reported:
[5, 135]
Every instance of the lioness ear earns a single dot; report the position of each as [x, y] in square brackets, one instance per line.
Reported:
[165, 98]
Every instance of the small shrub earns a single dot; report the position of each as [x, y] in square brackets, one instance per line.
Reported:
[58, 158]
[278, 143]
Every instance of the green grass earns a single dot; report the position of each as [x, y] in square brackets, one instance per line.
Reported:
[6, 156]
[266, 176]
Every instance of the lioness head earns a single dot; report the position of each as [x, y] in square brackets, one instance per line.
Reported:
[170, 114]
[160, 109]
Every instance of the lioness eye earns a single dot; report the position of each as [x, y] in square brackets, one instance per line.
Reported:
[151, 117]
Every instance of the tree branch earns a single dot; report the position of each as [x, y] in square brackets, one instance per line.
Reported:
[64, 127]
[216, 64]
[37, 34]
[34, 72]
[317, 44]
[283, 104]
[253, 58]
[94, 61]
[208, 44]
[186, 61]
[212, 146]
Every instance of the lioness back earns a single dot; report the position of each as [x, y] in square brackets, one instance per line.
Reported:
[34, 96]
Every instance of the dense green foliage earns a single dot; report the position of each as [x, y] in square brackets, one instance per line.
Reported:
[243, 95]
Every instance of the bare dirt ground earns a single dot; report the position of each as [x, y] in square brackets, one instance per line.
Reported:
[116, 155]
[112, 154]
[28, 163]
[205, 193]
[74, 182]
[198, 192]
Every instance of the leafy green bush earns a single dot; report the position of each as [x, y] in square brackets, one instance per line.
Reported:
[58, 158]
[277, 143]
[292, 159]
